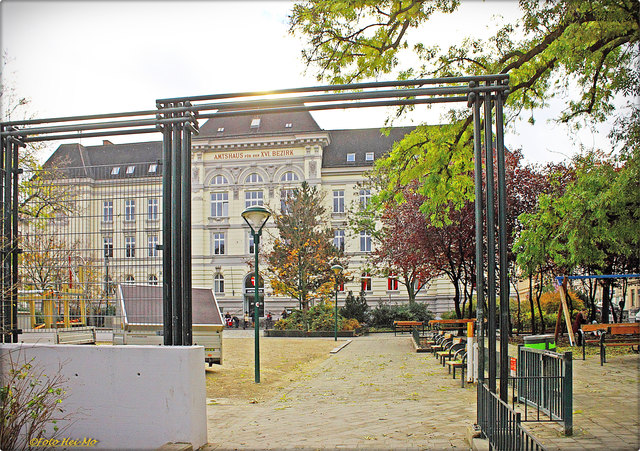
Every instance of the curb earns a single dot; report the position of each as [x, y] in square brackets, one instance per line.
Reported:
[339, 348]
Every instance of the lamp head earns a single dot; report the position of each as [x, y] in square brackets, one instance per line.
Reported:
[337, 269]
[256, 216]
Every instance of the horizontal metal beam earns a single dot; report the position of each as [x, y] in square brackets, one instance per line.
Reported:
[341, 87]
[349, 96]
[82, 118]
[333, 106]
[94, 126]
[134, 131]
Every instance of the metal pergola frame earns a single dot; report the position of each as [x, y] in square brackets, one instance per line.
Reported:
[177, 118]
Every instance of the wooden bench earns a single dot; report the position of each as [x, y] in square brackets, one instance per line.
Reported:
[451, 324]
[622, 334]
[406, 326]
[76, 336]
[450, 350]
[459, 360]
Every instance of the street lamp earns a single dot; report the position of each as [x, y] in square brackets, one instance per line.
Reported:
[337, 269]
[256, 217]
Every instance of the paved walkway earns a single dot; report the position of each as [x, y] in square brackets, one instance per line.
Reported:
[375, 393]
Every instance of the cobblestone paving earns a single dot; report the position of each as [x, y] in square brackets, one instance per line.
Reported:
[376, 393]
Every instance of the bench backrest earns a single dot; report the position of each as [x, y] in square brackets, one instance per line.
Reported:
[84, 335]
[614, 328]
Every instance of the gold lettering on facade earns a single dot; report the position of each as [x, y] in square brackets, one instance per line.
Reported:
[275, 153]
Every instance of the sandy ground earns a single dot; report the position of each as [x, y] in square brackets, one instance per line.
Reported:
[282, 362]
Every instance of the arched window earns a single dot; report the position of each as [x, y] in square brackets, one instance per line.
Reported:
[289, 177]
[129, 279]
[218, 283]
[253, 178]
[153, 279]
[219, 180]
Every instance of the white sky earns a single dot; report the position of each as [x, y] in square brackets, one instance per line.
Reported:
[86, 57]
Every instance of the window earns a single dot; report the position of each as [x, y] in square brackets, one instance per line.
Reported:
[129, 279]
[351, 157]
[152, 209]
[365, 282]
[130, 210]
[365, 241]
[255, 123]
[219, 205]
[108, 246]
[115, 171]
[153, 168]
[285, 195]
[219, 180]
[289, 177]
[341, 286]
[392, 283]
[107, 211]
[131, 169]
[153, 279]
[368, 156]
[253, 198]
[218, 243]
[365, 197]
[288, 125]
[130, 246]
[220, 129]
[218, 283]
[152, 241]
[338, 239]
[633, 298]
[253, 178]
[250, 241]
[338, 201]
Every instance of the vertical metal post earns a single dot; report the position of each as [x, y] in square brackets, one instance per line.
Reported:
[256, 300]
[176, 233]
[491, 240]
[167, 296]
[502, 249]
[3, 244]
[567, 392]
[186, 236]
[14, 244]
[6, 245]
[477, 149]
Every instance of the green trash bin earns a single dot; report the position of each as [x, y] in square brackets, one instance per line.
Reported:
[540, 342]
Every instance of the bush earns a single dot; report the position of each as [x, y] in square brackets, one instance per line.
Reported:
[318, 317]
[384, 314]
[356, 307]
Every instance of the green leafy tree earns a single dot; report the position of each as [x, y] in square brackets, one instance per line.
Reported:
[583, 51]
[303, 252]
[356, 307]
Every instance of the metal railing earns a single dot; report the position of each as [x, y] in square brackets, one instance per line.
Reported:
[544, 382]
[501, 425]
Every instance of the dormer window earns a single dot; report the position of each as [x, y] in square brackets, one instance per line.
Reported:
[351, 157]
[220, 129]
[130, 169]
[153, 168]
[288, 125]
[255, 123]
[115, 171]
[368, 156]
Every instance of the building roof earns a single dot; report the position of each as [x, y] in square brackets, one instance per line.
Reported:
[268, 124]
[359, 142]
[98, 162]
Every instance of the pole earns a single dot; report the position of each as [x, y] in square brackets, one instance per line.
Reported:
[335, 338]
[256, 321]
[502, 250]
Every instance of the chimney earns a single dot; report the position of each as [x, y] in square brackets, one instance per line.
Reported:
[106, 142]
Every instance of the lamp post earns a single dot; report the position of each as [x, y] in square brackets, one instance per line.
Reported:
[256, 217]
[337, 269]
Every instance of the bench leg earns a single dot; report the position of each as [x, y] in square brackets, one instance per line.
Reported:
[462, 375]
[603, 358]
[454, 372]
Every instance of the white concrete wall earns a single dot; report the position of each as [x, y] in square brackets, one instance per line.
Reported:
[128, 397]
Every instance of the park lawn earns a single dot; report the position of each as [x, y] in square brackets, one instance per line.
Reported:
[283, 361]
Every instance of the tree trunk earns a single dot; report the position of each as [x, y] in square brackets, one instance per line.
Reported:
[456, 299]
[538, 296]
[533, 310]
[604, 318]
